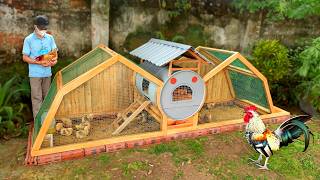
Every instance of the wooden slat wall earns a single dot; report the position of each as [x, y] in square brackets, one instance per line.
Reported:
[217, 87]
[108, 92]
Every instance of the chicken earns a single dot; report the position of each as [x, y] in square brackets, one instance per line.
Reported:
[83, 133]
[66, 122]
[66, 131]
[265, 141]
[83, 128]
[59, 126]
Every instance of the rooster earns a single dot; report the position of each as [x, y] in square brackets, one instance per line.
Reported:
[265, 141]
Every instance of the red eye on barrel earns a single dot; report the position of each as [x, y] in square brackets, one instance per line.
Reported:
[194, 79]
[173, 80]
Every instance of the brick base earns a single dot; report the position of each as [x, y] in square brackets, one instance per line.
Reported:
[75, 154]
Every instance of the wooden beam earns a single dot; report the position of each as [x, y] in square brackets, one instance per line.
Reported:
[47, 121]
[64, 90]
[153, 114]
[141, 71]
[170, 69]
[108, 50]
[215, 49]
[164, 122]
[196, 55]
[242, 71]
[263, 79]
[185, 60]
[199, 67]
[179, 69]
[125, 138]
[220, 67]
[95, 143]
[59, 80]
[261, 109]
[230, 85]
[211, 57]
[237, 121]
[195, 119]
[131, 117]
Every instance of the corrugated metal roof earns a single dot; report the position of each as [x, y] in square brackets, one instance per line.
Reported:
[160, 52]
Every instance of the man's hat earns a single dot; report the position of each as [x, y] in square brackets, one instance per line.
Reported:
[42, 22]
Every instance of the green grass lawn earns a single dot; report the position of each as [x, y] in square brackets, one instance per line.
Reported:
[222, 156]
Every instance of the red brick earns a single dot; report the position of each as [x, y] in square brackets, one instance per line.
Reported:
[115, 147]
[132, 144]
[203, 132]
[215, 130]
[226, 128]
[49, 158]
[74, 154]
[94, 150]
[14, 39]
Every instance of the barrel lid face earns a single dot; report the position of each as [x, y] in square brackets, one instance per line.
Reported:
[182, 95]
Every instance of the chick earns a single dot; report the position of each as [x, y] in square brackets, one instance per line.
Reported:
[59, 126]
[84, 127]
[90, 117]
[82, 133]
[66, 131]
[66, 122]
[83, 124]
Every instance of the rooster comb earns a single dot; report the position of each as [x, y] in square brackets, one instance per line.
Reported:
[250, 108]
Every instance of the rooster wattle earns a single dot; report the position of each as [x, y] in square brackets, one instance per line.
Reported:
[265, 141]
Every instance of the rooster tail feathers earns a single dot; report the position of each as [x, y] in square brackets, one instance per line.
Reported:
[302, 118]
[293, 130]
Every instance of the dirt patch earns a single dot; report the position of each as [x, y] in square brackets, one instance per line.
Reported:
[101, 128]
[225, 156]
[220, 112]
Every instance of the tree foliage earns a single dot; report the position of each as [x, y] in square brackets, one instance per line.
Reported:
[310, 71]
[280, 9]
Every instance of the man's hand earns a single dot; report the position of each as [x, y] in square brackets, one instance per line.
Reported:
[54, 61]
[43, 63]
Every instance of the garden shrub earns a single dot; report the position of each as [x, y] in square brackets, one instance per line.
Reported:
[12, 122]
[271, 58]
[309, 88]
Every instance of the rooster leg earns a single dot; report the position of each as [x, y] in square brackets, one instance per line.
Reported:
[256, 161]
[264, 167]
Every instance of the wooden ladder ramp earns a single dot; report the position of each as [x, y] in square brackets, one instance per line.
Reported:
[135, 109]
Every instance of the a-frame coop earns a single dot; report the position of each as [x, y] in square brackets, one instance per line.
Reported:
[103, 102]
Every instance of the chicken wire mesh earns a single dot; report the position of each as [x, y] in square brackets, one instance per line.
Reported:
[224, 55]
[84, 64]
[249, 88]
[182, 93]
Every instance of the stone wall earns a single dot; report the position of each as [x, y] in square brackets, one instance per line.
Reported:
[75, 25]
[70, 24]
[209, 22]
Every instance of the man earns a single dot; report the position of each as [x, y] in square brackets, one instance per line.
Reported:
[35, 45]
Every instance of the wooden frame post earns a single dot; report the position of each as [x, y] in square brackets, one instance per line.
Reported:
[220, 67]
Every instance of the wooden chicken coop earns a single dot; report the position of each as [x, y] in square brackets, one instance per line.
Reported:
[104, 102]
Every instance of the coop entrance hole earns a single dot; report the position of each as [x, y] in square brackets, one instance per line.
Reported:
[182, 93]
